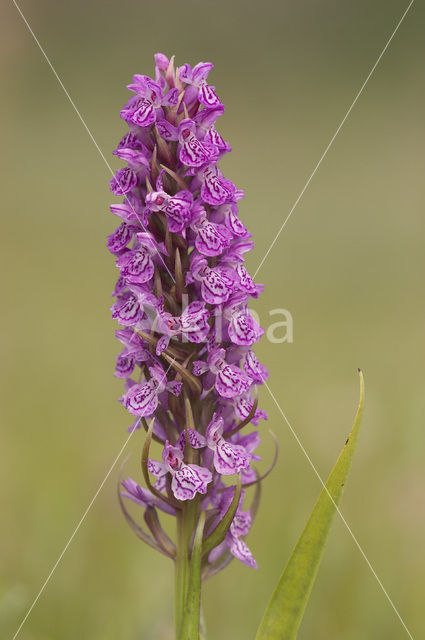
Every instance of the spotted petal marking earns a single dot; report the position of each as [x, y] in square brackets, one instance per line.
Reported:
[127, 311]
[118, 240]
[229, 458]
[137, 267]
[253, 367]
[177, 210]
[129, 141]
[196, 440]
[215, 190]
[213, 137]
[156, 468]
[194, 319]
[199, 367]
[235, 225]
[207, 96]
[192, 152]
[240, 550]
[231, 382]
[189, 480]
[243, 330]
[216, 286]
[241, 523]
[144, 116]
[123, 181]
[125, 365]
[212, 239]
[142, 399]
[243, 407]
[245, 281]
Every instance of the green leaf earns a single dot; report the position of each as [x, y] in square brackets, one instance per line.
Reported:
[190, 624]
[283, 615]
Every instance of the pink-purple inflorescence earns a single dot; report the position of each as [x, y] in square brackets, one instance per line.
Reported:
[182, 304]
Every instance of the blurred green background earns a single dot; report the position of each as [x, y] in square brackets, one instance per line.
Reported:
[349, 266]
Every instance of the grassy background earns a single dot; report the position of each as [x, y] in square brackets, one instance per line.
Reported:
[349, 266]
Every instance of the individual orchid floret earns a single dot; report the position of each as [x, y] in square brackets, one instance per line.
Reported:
[193, 152]
[125, 365]
[123, 181]
[136, 266]
[236, 254]
[143, 111]
[217, 283]
[206, 118]
[192, 324]
[133, 344]
[187, 479]
[177, 208]
[206, 131]
[243, 329]
[253, 367]
[131, 141]
[142, 399]
[136, 160]
[198, 78]
[127, 310]
[246, 283]
[121, 237]
[211, 238]
[230, 381]
[238, 547]
[227, 214]
[228, 458]
[215, 189]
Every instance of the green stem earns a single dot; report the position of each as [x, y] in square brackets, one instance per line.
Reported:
[186, 524]
[181, 572]
[202, 626]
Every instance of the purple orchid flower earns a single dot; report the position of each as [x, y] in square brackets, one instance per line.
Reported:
[243, 329]
[192, 324]
[193, 152]
[142, 399]
[177, 208]
[217, 283]
[198, 78]
[181, 302]
[211, 238]
[187, 479]
[143, 111]
[229, 458]
[230, 381]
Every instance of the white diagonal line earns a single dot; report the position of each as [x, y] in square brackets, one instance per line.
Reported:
[275, 239]
[83, 122]
[337, 509]
[71, 538]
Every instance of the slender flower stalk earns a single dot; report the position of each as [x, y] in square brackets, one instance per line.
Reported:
[182, 299]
